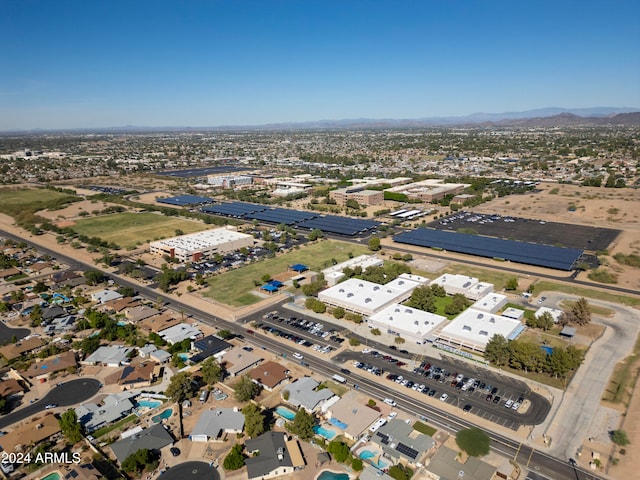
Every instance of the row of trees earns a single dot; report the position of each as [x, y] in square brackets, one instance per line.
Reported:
[531, 358]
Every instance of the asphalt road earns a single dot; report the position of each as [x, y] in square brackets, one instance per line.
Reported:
[557, 469]
[191, 471]
[7, 333]
[64, 395]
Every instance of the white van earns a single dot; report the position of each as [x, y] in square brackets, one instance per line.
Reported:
[204, 395]
[390, 401]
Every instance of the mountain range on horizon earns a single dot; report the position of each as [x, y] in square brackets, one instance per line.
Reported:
[542, 117]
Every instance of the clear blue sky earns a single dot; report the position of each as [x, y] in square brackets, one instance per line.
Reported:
[94, 63]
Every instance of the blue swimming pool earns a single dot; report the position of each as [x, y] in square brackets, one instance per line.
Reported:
[184, 356]
[284, 412]
[327, 475]
[149, 403]
[166, 414]
[324, 432]
[371, 458]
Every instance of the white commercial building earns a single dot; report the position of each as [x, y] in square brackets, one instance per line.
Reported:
[333, 274]
[367, 298]
[555, 314]
[195, 246]
[229, 181]
[407, 322]
[472, 329]
[491, 302]
[470, 287]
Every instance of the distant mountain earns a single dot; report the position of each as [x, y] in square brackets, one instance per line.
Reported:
[542, 117]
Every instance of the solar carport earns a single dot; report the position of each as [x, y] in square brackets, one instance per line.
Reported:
[234, 209]
[280, 215]
[339, 225]
[185, 200]
[560, 258]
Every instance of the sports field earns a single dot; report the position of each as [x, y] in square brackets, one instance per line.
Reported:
[131, 229]
[235, 287]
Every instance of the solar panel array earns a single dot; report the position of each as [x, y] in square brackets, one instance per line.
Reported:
[234, 209]
[280, 215]
[185, 200]
[340, 225]
[560, 258]
[406, 450]
[308, 220]
[384, 438]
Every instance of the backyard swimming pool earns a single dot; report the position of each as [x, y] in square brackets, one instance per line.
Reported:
[52, 476]
[327, 475]
[149, 403]
[370, 456]
[324, 432]
[184, 356]
[166, 414]
[284, 412]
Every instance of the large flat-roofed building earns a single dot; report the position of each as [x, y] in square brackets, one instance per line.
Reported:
[195, 246]
[409, 323]
[229, 181]
[367, 298]
[429, 190]
[491, 302]
[470, 287]
[472, 329]
[359, 194]
[333, 274]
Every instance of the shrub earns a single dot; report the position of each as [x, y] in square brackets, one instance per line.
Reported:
[473, 441]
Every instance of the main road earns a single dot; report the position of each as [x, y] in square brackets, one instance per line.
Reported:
[553, 468]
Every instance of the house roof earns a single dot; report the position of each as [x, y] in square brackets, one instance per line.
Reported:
[138, 373]
[34, 431]
[157, 323]
[213, 423]
[105, 295]
[9, 387]
[94, 416]
[14, 350]
[152, 438]
[140, 312]
[209, 346]
[237, 360]
[52, 364]
[351, 412]
[119, 304]
[180, 332]
[275, 452]
[269, 374]
[444, 463]
[303, 393]
[399, 440]
[109, 354]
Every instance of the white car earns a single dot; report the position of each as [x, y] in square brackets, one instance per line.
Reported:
[392, 415]
[298, 356]
[444, 397]
[366, 350]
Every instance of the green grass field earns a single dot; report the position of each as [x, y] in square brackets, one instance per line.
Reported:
[547, 286]
[13, 201]
[129, 229]
[234, 288]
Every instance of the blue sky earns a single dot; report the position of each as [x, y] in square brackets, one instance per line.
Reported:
[66, 64]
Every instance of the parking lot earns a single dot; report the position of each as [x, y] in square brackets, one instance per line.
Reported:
[528, 230]
[499, 399]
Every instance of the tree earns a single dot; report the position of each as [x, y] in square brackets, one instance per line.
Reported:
[338, 312]
[211, 371]
[398, 340]
[315, 234]
[89, 345]
[224, 333]
[235, 459]
[497, 350]
[265, 278]
[400, 472]
[180, 387]
[94, 277]
[302, 424]
[375, 331]
[473, 441]
[581, 311]
[70, 427]
[512, 284]
[339, 450]
[619, 437]
[356, 464]
[253, 420]
[374, 243]
[40, 287]
[422, 298]
[246, 389]
[136, 462]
